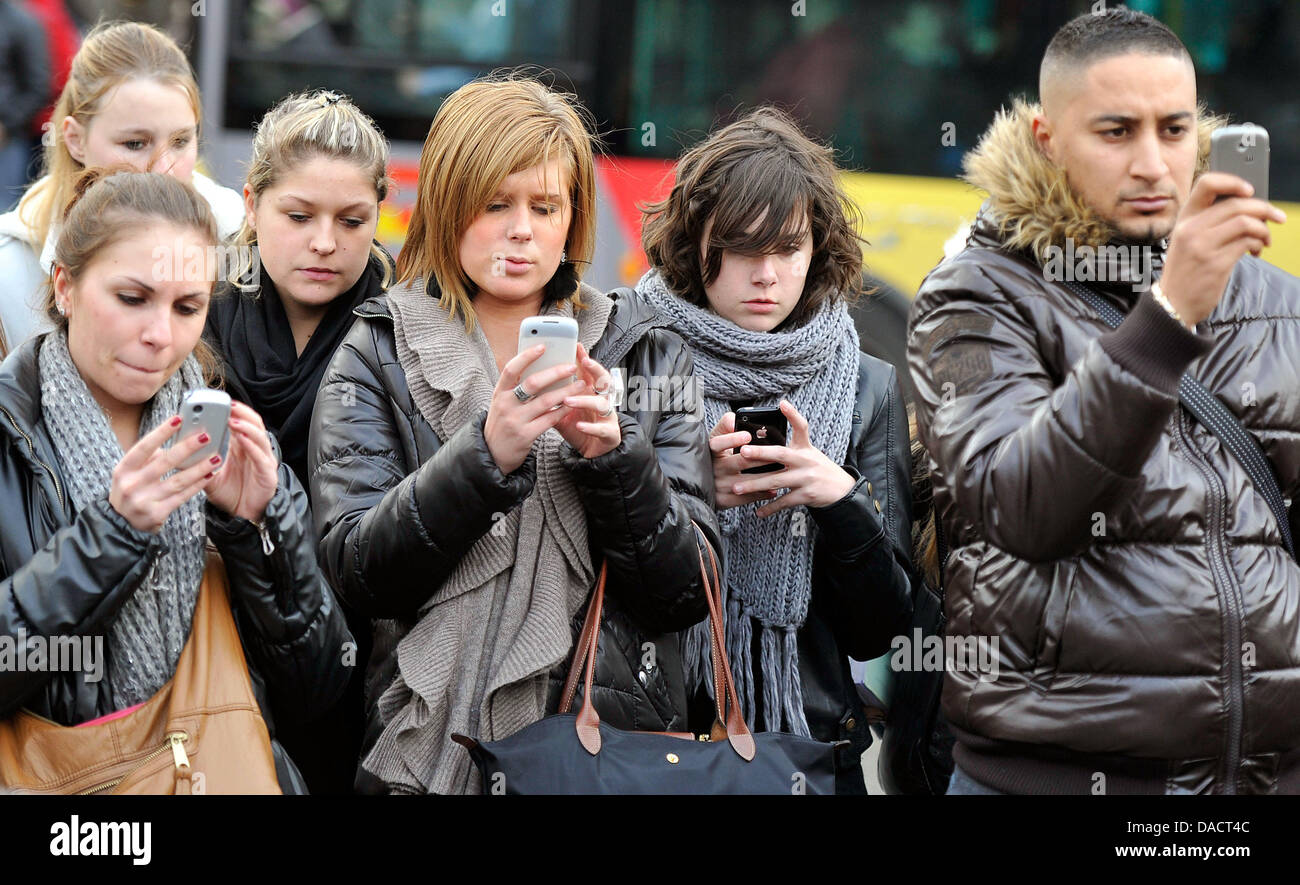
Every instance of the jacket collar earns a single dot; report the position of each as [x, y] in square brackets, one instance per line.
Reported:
[22, 426]
[1031, 206]
[20, 385]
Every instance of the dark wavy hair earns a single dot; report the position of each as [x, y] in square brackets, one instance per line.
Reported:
[760, 172]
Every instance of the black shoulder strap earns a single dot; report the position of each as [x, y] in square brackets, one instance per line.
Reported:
[1211, 412]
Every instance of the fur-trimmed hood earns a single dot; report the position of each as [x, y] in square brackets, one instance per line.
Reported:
[1031, 205]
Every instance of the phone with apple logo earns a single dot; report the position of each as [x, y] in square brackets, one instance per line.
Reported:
[766, 427]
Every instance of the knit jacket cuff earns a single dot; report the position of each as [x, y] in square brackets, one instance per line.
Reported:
[1154, 346]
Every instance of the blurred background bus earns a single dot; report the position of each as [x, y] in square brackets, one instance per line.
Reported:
[901, 89]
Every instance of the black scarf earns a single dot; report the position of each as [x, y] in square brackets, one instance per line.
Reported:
[262, 368]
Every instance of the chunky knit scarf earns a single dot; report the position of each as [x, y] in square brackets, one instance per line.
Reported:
[769, 561]
[477, 661]
[150, 630]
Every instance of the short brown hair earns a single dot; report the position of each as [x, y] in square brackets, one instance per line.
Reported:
[486, 131]
[760, 169]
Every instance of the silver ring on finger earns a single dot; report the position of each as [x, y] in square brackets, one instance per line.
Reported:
[522, 395]
[609, 411]
[602, 391]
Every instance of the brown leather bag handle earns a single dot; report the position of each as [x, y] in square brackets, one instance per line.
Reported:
[729, 723]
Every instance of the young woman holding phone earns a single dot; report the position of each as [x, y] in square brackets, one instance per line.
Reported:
[754, 259]
[102, 530]
[466, 511]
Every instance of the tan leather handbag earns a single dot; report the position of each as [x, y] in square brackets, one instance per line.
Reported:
[202, 732]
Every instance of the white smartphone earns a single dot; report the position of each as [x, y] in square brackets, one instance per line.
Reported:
[560, 335]
[1242, 151]
[205, 410]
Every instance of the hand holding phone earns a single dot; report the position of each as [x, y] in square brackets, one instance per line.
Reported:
[206, 411]
[808, 476]
[1221, 221]
[1242, 151]
[530, 393]
[766, 427]
[559, 335]
[138, 492]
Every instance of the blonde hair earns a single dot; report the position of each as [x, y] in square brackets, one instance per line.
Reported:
[113, 52]
[485, 131]
[106, 205]
[301, 127]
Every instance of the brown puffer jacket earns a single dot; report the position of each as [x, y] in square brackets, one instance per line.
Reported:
[1146, 613]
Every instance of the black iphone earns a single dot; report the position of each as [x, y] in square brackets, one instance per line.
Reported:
[767, 427]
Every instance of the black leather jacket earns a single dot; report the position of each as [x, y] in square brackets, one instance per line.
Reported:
[861, 590]
[69, 573]
[393, 522]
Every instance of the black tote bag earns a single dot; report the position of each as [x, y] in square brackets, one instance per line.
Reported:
[575, 753]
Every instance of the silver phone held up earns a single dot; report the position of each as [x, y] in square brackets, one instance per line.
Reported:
[1242, 151]
[560, 335]
[205, 410]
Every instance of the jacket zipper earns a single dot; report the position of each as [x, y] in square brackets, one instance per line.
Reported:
[58, 489]
[1216, 538]
[175, 742]
[277, 555]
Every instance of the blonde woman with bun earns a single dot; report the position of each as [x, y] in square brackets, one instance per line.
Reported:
[318, 174]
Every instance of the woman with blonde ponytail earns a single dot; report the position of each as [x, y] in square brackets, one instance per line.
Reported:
[130, 100]
[307, 258]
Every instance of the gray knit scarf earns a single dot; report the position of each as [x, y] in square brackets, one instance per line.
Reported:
[768, 561]
[150, 630]
[478, 659]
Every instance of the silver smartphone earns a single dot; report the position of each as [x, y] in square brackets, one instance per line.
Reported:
[205, 410]
[560, 335]
[1242, 151]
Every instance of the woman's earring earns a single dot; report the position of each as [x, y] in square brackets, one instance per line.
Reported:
[564, 256]
[63, 311]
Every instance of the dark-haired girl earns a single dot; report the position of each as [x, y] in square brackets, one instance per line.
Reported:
[754, 260]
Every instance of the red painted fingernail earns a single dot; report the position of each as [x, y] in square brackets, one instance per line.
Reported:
[203, 438]
[209, 476]
[176, 420]
[215, 459]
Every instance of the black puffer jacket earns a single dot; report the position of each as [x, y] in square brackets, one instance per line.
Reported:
[65, 573]
[1145, 609]
[393, 526]
[861, 593]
